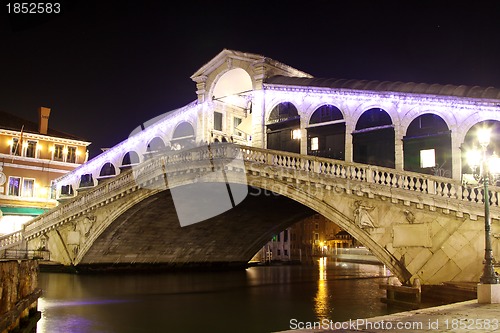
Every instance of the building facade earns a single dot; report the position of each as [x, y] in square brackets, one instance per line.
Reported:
[314, 236]
[32, 156]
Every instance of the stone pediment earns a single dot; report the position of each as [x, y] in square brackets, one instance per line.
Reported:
[226, 57]
[257, 67]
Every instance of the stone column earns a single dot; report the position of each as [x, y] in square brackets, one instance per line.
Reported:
[398, 149]
[349, 128]
[456, 157]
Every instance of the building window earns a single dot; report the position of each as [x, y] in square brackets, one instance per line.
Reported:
[286, 252]
[427, 158]
[58, 153]
[296, 134]
[285, 235]
[217, 121]
[71, 155]
[31, 149]
[15, 148]
[279, 252]
[236, 122]
[314, 143]
[28, 187]
[14, 186]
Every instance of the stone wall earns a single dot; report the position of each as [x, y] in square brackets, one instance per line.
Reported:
[18, 294]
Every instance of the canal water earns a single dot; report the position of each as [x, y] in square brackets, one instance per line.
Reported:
[258, 299]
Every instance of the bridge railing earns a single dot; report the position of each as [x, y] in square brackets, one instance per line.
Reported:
[11, 240]
[409, 182]
[406, 180]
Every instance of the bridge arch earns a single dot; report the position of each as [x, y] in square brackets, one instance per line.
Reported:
[307, 198]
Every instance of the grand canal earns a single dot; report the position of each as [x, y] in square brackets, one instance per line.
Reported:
[258, 299]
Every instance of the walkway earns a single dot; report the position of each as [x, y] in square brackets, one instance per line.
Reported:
[460, 317]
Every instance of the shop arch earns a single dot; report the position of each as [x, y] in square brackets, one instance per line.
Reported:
[183, 135]
[427, 146]
[326, 133]
[283, 128]
[373, 139]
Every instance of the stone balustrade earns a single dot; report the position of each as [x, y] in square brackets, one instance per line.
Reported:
[408, 187]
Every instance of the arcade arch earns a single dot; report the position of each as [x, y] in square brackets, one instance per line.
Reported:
[283, 128]
[373, 139]
[427, 146]
[326, 133]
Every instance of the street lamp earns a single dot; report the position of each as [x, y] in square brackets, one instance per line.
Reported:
[489, 169]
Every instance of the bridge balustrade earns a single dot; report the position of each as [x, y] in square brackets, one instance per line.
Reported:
[322, 168]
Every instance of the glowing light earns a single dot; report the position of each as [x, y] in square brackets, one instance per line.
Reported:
[474, 158]
[65, 150]
[77, 153]
[483, 136]
[52, 149]
[427, 158]
[315, 143]
[10, 142]
[494, 164]
[296, 134]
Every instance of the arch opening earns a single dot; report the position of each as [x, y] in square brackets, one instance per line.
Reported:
[427, 146]
[283, 128]
[183, 136]
[326, 133]
[471, 142]
[373, 139]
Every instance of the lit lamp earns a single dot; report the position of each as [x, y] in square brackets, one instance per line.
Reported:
[488, 290]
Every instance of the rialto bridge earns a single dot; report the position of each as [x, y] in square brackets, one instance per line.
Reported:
[265, 145]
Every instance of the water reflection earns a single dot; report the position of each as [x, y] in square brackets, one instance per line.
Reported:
[259, 299]
[321, 301]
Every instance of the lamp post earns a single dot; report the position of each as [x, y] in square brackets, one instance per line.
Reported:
[489, 167]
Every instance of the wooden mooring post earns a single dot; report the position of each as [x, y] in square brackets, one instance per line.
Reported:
[403, 296]
[19, 296]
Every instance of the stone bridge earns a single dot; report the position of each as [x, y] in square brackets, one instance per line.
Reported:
[420, 226]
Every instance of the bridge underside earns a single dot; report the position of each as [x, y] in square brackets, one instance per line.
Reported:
[150, 233]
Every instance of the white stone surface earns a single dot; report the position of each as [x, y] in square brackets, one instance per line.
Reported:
[488, 293]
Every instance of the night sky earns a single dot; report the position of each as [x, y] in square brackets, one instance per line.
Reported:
[104, 67]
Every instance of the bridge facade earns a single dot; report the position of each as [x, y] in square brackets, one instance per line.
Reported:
[353, 151]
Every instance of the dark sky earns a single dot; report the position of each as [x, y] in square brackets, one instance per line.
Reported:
[104, 67]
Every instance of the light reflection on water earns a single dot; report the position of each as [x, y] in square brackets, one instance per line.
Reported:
[259, 299]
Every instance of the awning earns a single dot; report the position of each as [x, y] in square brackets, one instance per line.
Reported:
[29, 211]
[246, 125]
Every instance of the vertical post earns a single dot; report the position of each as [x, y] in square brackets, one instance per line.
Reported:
[489, 276]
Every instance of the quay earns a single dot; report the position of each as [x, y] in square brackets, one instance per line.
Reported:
[19, 295]
[468, 316]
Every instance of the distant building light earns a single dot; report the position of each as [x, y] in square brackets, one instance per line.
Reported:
[296, 134]
[427, 158]
[314, 143]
